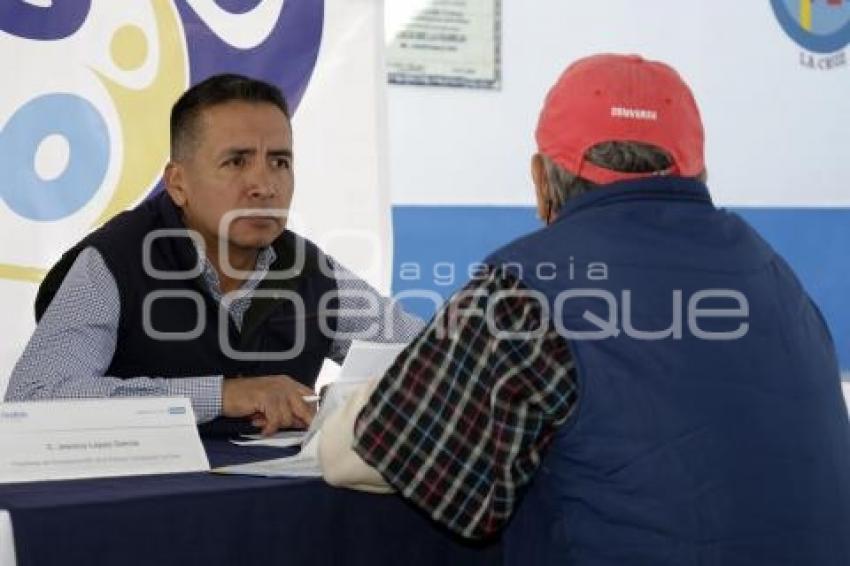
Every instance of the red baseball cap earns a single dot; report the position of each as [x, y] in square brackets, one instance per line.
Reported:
[608, 97]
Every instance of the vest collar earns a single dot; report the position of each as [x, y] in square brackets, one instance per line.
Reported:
[184, 250]
[650, 188]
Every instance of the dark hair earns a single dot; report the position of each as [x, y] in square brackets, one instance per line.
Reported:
[212, 91]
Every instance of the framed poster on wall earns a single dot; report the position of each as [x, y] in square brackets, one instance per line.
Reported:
[445, 43]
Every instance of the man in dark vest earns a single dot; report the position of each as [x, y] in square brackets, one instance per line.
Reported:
[643, 381]
[200, 290]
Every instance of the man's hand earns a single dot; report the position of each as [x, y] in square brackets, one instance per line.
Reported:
[272, 402]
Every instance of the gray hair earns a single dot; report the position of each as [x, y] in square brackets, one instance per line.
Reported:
[627, 157]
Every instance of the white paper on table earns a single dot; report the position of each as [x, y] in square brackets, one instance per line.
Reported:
[366, 360]
[305, 464]
[284, 439]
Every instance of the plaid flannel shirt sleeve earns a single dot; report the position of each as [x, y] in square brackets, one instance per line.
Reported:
[458, 424]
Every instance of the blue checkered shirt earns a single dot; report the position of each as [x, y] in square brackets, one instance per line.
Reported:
[73, 344]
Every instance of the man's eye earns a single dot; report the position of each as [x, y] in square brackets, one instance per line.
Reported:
[237, 161]
[281, 163]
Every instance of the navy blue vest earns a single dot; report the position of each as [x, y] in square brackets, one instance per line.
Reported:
[276, 326]
[710, 427]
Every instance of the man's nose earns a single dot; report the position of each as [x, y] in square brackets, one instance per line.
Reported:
[261, 183]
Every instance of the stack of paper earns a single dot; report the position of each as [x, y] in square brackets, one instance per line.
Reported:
[305, 464]
[284, 439]
[365, 361]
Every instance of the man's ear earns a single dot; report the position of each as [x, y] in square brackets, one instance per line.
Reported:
[174, 183]
[541, 185]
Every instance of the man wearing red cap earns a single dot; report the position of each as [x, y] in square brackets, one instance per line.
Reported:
[642, 381]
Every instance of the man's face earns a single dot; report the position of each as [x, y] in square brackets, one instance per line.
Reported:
[241, 159]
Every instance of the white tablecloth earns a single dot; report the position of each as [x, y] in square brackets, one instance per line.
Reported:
[7, 543]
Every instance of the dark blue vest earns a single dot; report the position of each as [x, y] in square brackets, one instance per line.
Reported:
[710, 427]
[282, 321]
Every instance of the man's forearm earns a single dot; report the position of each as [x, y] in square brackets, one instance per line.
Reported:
[204, 392]
[387, 322]
[72, 347]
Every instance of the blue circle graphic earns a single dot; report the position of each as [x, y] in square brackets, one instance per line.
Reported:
[237, 6]
[829, 27]
[79, 122]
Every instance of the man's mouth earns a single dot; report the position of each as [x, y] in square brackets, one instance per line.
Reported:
[260, 217]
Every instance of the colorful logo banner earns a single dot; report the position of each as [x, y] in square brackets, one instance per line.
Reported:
[84, 123]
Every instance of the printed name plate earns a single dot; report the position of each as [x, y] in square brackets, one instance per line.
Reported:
[92, 438]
